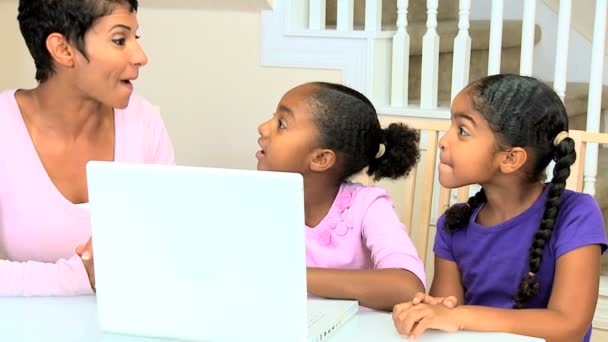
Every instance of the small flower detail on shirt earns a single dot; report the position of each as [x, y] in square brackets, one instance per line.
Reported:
[344, 200]
[338, 221]
[342, 228]
[324, 238]
[332, 221]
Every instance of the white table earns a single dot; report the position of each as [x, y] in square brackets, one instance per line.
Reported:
[74, 319]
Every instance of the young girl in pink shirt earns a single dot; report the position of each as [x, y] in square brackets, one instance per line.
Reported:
[356, 246]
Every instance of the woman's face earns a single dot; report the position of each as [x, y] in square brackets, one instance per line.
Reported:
[114, 58]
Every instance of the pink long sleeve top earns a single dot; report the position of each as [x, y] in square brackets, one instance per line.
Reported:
[39, 228]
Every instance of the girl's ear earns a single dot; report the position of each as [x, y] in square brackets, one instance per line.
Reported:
[513, 160]
[60, 50]
[322, 160]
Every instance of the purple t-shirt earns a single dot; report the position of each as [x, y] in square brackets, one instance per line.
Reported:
[493, 259]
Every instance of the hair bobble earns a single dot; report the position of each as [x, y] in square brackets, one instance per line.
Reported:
[381, 150]
[560, 137]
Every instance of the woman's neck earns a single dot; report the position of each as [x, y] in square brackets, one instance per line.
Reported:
[506, 201]
[319, 195]
[56, 107]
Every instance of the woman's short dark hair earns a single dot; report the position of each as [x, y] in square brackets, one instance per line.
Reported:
[71, 18]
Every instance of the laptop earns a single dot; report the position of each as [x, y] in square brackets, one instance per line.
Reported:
[205, 254]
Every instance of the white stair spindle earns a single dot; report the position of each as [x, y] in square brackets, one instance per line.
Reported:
[430, 59]
[495, 37]
[373, 16]
[346, 15]
[594, 105]
[561, 58]
[561, 50]
[316, 15]
[462, 50]
[401, 58]
[527, 38]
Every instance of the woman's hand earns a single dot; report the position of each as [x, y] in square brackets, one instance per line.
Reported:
[413, 319]
[86, 254]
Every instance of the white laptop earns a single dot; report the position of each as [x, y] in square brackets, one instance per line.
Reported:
[204, 254]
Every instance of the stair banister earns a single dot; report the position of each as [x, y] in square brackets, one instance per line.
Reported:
[527, 38]
[594, 105]
[401, 58]
[430, 59]
[462, 50]
[373, 16]
[561, 50]
[316, 15]
[495, 37]
[346, 15]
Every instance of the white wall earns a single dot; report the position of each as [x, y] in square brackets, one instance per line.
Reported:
[579, 48]
[203, 72]
[480, 10]
[583, 12]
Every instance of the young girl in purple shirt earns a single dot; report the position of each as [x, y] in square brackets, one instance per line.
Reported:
[523, 256]
[356, 247]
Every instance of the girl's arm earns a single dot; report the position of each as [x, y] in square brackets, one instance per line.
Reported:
[375, 289]
[567, 317]
[446, 289]
[446, 281]
[31, 278]
[398, 273]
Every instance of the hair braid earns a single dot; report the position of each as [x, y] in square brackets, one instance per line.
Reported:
[565, 156]
[458, 215]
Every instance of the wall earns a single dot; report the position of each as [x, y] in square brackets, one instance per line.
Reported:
[203, 72]
[583, 13]
[16, 66]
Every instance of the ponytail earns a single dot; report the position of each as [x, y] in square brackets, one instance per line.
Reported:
[400, 155]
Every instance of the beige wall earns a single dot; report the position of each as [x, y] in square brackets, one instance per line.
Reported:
[16, 66]
[209, 82]
[204, 73]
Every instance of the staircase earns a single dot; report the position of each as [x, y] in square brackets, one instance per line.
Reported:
[479, 30]
[576, 93]
[365, 55]
[447, 30]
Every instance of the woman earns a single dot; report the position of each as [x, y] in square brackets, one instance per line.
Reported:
[86, 55]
